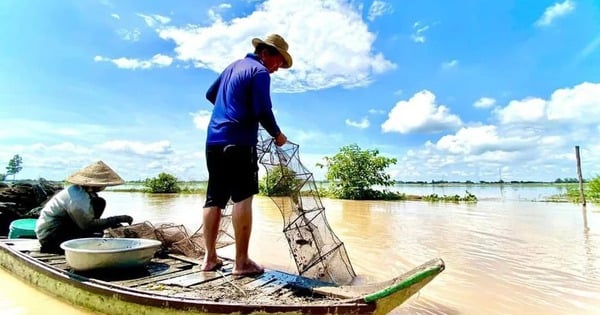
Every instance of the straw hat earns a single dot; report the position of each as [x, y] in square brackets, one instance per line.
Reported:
[96, 174]
[278, 43]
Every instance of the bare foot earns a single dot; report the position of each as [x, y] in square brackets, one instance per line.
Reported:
[250, 268]
[211, 265]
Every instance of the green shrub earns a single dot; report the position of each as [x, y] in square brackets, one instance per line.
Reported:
[468, 197]
[352, 172]
[280, 181]
[164, 183]
[591, 190]
[594, 189]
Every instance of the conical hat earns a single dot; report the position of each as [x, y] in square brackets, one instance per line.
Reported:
[96, 174]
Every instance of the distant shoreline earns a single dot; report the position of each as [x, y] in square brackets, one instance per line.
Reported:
[415, 191]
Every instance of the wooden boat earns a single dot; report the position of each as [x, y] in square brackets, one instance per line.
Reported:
[174, 285]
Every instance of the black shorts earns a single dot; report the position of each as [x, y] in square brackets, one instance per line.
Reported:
[232, 173]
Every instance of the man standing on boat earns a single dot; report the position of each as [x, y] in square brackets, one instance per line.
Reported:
[75, 211]
[241, 99]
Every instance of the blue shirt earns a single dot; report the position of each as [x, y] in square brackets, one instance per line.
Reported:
[241, 99]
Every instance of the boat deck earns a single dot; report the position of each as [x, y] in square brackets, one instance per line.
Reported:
[179, 277]
[171, 284]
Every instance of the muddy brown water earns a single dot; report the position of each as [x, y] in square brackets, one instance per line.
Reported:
[502, 257]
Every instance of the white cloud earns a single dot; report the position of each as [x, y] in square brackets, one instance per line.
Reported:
[420, 114]
[379, 8]
[527, 144]
[555, 11]
[481, 139]
[450, 64]
[484, 102]
[345, 56]
[481, 152]
[135, 147]
[154, 19]
[579, 104]
[374, 111]
[363, 124]
[157, 60]
[129, 35]
[201, 119]
[214, 13]
[418, 35]
[161, 60]
[115, 16]
[47, 159]
[526, 110]
[53, 150]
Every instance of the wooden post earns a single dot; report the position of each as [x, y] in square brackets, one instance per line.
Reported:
[579, 175]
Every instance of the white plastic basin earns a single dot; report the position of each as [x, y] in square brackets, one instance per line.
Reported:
[94, 253]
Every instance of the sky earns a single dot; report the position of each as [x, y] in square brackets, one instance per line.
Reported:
[454, 90]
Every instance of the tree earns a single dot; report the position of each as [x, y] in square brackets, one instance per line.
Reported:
[280, 181]
[164, 183]
[594, 189]
[14, 166]
[353, 172]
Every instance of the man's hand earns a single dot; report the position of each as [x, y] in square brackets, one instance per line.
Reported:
[280, 140]
[125, 219]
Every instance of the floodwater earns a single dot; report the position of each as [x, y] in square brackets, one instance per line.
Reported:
[502, 256]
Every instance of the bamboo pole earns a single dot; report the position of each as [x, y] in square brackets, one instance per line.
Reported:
[579, 175]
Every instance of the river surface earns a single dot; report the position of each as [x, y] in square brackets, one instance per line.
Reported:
[503, 255]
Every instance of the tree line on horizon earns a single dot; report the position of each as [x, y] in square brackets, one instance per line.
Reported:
[351, 169]
[469, 182]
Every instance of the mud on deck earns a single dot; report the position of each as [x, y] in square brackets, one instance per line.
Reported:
[173, 276]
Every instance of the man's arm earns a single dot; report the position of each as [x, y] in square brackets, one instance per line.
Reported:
[261, 103]
[86, 221]
[213, 90]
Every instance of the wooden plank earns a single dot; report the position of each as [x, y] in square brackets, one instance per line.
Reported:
[191, 260]
[55, 260]
[287, 294]
[264, 279]
[198, 277]
[173, 262]
[193, 278]
[299, 281]
[62, 266]
[278, 284]
[23, 245]
[197, 261]
[40, 255]
[171, 273]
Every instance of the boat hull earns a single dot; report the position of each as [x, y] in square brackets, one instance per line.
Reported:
[114, 297]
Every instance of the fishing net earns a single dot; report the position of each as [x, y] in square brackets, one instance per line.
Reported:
[193, 245]
[175, 238]
[317, 251]
[138, 230]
